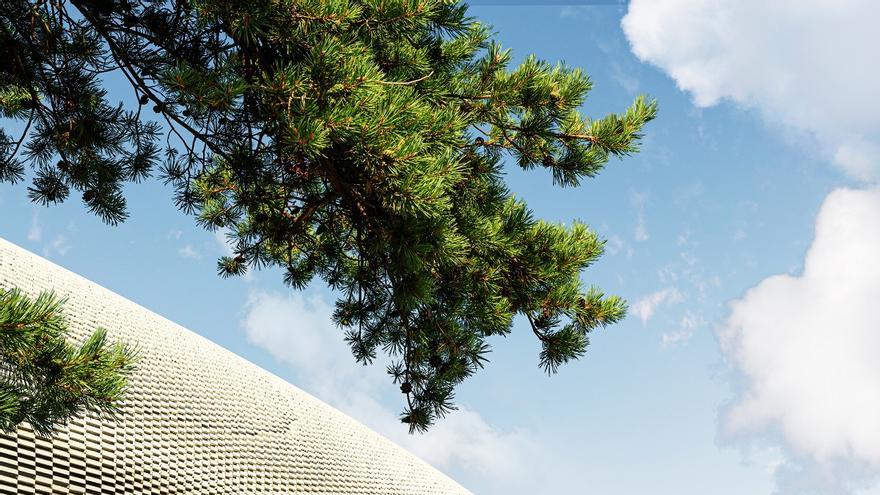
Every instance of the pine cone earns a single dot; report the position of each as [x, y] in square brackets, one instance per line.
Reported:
[89, 195]
[406, 387]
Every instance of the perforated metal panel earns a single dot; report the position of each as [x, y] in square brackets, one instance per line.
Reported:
[198, 419]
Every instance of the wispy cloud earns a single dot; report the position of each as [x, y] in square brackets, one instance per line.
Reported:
[35, 234]
[615, 245]
[688, 324]
[638, 201]
[646, 306]
[627, 80]
[188, 251]
[60, 244]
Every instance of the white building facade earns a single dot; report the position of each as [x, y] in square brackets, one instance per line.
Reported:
[197, 420]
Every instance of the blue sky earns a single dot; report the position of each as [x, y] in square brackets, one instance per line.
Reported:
[741, 236]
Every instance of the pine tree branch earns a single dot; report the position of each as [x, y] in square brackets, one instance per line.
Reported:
[541, 336]
[136, 80]
[286, 139]
[401, 83]
[24, 134]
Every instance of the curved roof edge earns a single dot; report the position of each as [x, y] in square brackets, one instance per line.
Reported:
[197, 419]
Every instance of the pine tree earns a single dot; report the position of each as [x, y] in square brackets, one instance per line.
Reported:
[359, 141]
[44, 379]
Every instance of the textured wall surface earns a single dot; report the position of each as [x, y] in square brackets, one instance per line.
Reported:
[198, 418]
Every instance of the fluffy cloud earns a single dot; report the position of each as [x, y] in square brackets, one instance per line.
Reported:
[805, 350]
[298, 331]
[803, 347]
[806, 65]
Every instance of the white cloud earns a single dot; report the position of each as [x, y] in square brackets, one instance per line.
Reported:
[60, 244]
[667, 275]
[614, 245]
[638, 201]
[671, 339]
[188, 251]
[35, 234]
[689, 323]
[808, 65]
[641, 233]
[646, 306]
[685, 238]
[804, 349]
[221, 237]
[626, 80]
[298, 331]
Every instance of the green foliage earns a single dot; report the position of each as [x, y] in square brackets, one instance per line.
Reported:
[44, 379]
[359, 141]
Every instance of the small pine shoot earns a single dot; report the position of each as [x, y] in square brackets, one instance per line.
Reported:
[44, 379]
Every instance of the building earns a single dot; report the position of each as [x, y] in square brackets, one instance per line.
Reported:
[198, 419]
